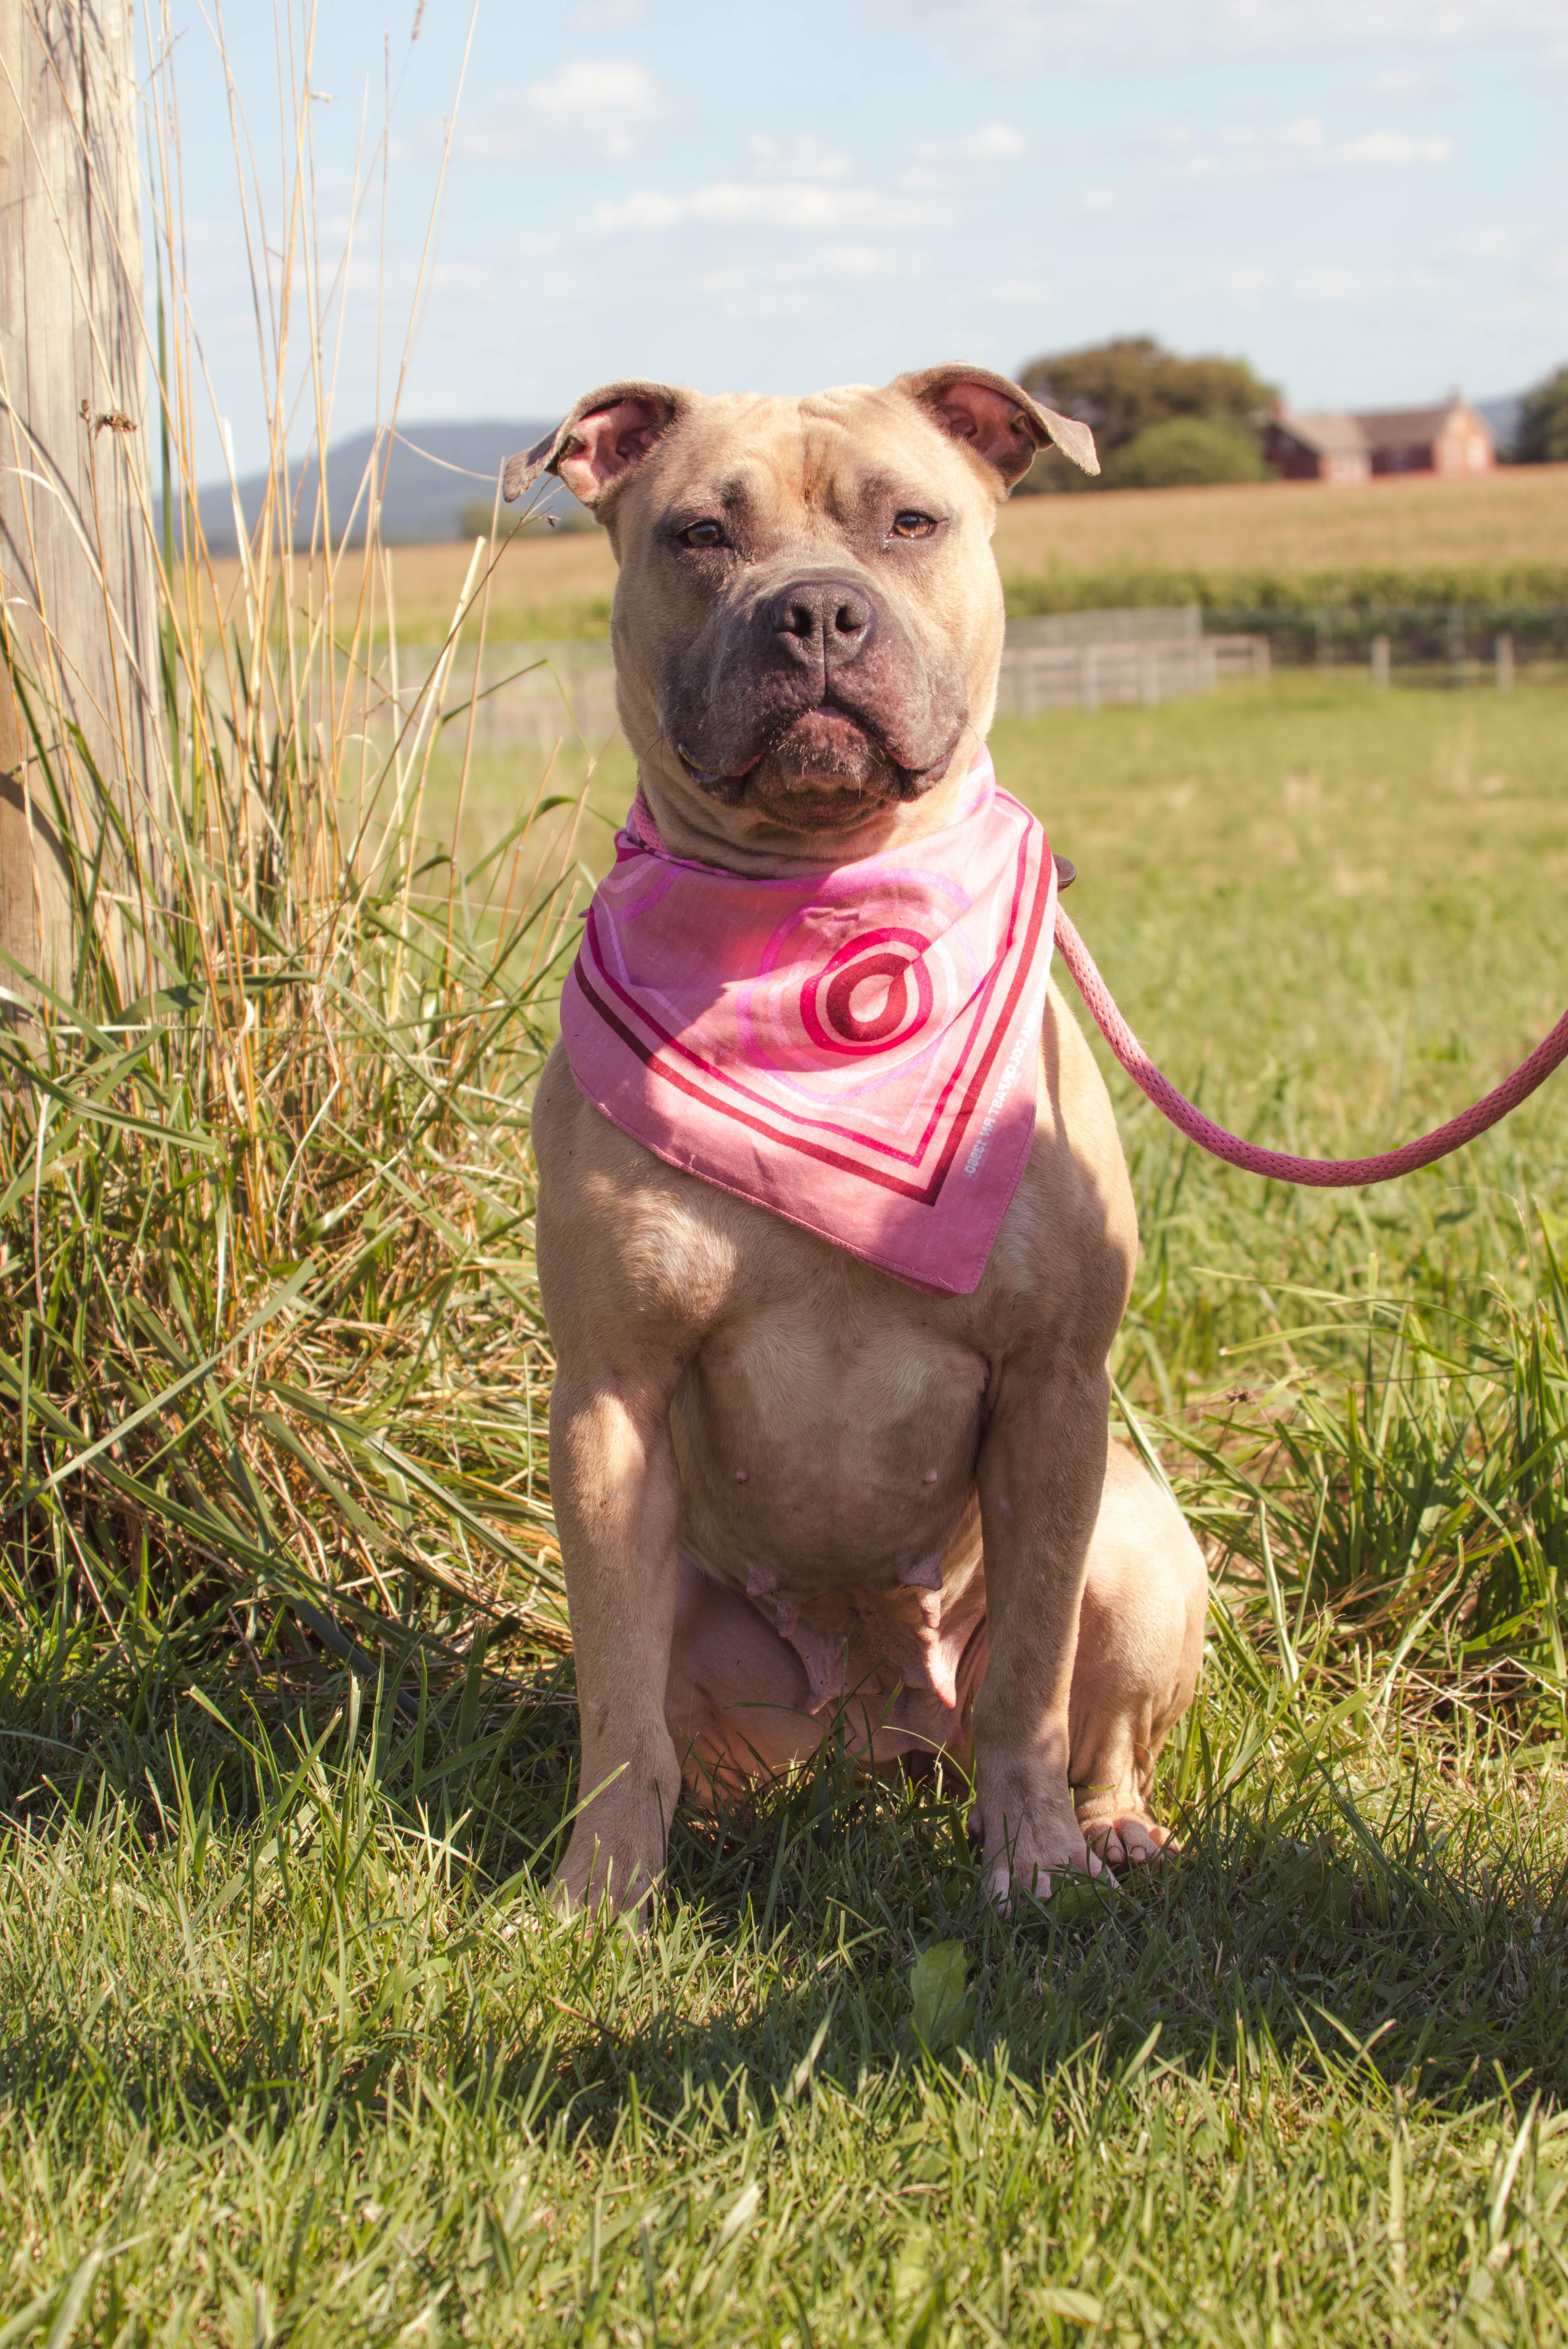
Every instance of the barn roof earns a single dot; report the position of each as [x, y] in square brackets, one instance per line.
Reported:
[1405, 428]
[1333, 432]
[1324, 430]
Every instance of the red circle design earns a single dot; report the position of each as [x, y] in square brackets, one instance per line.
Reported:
[826, 998]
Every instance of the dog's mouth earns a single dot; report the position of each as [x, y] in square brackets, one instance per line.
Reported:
[824, 767]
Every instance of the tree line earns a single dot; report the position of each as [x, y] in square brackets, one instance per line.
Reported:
[1162, 422]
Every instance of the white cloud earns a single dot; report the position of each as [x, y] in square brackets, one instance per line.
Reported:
[605, 15]
[1405, 85]
[809, 207]
[1242, 280]
[1487, 244]
[604, 104]
[1360, 284]
[1098, 200]
[803, 157]
[1246, 151]
[1016, 293]
[742, 293]
[1388, 150]
[945, 162]
[804, 284]
[864, 262]
[1010, 31]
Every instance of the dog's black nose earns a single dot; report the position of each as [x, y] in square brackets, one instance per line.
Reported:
[826, 619]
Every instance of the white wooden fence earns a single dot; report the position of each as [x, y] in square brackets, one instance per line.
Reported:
[1089, 675]
[538, 693]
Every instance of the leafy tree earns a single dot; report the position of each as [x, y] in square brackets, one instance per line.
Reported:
[1542, 437]
[1122, 388]
[1186, 451]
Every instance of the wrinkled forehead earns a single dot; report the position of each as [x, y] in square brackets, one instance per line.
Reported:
[825, 456]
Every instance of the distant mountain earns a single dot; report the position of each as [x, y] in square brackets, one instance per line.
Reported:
[433, 471]
[1503, 415]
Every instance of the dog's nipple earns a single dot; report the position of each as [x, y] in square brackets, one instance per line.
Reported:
[741, 1475]
[930, 1476]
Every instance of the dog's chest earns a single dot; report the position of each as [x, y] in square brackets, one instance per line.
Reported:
[824, 1447]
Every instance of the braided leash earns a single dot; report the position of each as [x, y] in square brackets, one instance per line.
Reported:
[1323, 1173]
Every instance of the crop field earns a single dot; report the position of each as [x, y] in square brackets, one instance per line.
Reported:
[291, 2048]
[1120, 546]
[1514, 518]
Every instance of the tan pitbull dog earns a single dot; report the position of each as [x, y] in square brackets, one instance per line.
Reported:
[953, 1559]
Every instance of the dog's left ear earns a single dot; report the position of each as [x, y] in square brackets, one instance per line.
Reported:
[995, 420]
[602, 442]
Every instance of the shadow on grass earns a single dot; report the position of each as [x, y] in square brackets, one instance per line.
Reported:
[321, 1920]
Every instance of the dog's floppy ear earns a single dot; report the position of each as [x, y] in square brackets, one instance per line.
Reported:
[996, 418]
[601, 443]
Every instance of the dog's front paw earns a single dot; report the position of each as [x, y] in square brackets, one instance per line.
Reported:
[598, 1880]
[617, 1855]
[1030, 1834]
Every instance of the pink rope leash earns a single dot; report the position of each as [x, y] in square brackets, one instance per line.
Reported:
[1323, 1173]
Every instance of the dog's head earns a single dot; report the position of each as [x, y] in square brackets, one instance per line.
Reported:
[809, 620]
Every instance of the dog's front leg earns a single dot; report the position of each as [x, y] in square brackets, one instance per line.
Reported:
[616, 1490]
[1041, 1472]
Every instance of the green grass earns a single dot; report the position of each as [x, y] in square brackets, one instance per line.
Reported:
[293, 2054]
[1489, 593]
[290, 2050]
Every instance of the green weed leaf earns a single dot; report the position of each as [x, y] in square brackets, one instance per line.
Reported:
[942, 2010]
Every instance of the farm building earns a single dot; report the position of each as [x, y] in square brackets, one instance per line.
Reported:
[1328, 446]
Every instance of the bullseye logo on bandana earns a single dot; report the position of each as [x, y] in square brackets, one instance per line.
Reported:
[874, 995]
[848, 1005]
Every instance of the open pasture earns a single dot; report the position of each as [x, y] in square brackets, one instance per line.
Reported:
[290, 2050]
[1511, 519]
[1514, 520]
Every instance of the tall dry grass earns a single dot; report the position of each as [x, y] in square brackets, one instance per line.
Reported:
[271, 1354]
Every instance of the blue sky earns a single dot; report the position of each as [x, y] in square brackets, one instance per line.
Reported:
[1367, 198]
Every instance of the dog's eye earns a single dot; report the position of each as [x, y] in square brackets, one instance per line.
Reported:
[913, 524]
[701, 534]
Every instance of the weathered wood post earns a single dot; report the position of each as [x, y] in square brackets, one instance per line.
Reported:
[75, 568]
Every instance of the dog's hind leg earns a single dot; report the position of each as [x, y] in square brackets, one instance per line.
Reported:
[1139, 1648]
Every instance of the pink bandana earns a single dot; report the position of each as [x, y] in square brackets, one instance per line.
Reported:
[856, 1053]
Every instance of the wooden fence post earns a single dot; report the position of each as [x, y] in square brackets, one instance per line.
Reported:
[75, 569]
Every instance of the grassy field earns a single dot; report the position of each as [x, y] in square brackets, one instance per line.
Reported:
[1514, 520]
[290, 2050]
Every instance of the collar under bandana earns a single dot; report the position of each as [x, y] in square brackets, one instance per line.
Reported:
[857, 1051]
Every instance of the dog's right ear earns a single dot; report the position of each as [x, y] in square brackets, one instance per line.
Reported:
[602, 442]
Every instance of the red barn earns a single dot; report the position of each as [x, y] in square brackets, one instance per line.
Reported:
[1324, 446]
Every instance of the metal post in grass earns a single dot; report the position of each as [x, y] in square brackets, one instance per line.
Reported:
[80, 734]
[1456, 643]
[1504, 658]
[1382, 659]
